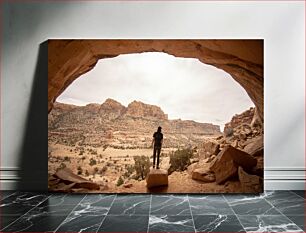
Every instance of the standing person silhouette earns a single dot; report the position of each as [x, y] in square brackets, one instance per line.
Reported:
[157, 144]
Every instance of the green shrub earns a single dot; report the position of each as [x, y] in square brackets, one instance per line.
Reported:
[129, 170]
[120, 181]
[103, 170]
[180, 160]
[142, 166]
[92, 162]
[80, 170]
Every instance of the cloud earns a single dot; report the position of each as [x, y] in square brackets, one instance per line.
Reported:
[183, 87]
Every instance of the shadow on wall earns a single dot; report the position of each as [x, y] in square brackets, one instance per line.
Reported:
[34, 154]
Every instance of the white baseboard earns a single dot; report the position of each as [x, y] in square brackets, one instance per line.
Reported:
[275, 178]
[284, 178]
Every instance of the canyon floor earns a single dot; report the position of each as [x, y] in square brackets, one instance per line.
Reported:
[106, 149]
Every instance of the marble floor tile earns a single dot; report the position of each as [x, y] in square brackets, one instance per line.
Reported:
[301, 193]
[217, 223]
[55, 210]
[209, 205]
[234, 197]
[57, 199]
[5, 194]
[166, 223]
[130, 204]
[35, 223]
[287, 202]
[97, 204]
[266, 223]
[170, 205]
[128, 223]
[21, 202]
[250, 205]
[299, 220]
[81, 223]
[7, 220]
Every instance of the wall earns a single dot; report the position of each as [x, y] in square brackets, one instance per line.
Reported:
[25, 26]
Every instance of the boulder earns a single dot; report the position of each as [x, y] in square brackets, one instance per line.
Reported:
[203, 174]
[209, 148]
[68, 177]
[255, 146]
[250, 183]
[227, 162]
[157, 177]
[129, 185]
[191, 167]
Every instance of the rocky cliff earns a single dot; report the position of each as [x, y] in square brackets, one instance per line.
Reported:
[245, 117]
[112, 124]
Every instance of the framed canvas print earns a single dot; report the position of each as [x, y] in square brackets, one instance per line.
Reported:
[155, 116]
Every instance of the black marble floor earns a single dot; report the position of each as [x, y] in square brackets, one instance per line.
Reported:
[272, 211]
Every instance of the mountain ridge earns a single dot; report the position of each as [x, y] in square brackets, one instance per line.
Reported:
[114, 124]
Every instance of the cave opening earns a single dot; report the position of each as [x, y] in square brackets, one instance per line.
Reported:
[118, 115]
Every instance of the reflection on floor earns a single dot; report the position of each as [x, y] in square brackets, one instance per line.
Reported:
[273, 211]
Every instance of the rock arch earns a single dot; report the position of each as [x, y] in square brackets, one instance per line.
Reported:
[242, 59]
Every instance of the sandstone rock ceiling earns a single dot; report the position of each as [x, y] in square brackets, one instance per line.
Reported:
[242, 59]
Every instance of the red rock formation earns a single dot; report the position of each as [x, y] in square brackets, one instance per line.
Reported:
[243, 118]
[139, 109]
[111, 109]
[134, 125]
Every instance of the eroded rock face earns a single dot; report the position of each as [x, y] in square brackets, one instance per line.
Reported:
[239, 119]
[242, 59]
[139, 109]
[112, 124]
[111, 109]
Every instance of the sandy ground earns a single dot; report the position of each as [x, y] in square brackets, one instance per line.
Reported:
[116, 159]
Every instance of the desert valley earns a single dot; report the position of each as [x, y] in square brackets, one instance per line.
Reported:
[107, 148]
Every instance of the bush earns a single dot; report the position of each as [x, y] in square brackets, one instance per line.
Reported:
[129, 170]
[120, 181]
[80, 170]
[92, 162]
[102, 170]
[142, 166]
[86, 173]
[180, 160]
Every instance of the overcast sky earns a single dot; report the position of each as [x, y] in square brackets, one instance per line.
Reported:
[183, 87]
